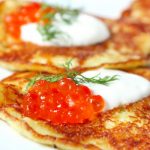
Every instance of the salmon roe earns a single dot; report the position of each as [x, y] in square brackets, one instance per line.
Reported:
[63, 101]
[25, 14]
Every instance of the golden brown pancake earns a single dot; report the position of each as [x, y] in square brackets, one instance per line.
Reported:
[138, 12]
[126, 127]
[128, 47]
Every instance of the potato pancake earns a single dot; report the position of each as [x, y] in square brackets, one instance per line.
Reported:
[127, 47]
[138, 12]
[125, 127]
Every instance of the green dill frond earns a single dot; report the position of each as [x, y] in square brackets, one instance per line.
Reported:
[77, 77]
[48, 30]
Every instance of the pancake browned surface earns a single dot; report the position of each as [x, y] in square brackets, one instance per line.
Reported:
[126, 127]
[127, 47]
[138, 12]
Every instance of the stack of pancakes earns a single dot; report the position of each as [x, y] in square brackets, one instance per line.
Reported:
[128, 48]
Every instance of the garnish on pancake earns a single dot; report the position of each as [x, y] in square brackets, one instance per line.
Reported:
[42, 13]
[62, 99]
[76, 76]
[44, 25]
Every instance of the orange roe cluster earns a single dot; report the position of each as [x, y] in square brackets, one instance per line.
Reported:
[60, 102]
[25, 14]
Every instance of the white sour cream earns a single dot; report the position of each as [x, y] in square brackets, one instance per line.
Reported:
[85, 30]
[127, 89]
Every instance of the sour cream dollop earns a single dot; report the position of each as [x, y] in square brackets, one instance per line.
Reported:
[127, 89]
[85, 30]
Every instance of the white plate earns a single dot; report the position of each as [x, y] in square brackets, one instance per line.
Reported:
[10, 139]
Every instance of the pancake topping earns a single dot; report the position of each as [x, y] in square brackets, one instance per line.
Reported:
[25, 14]
[63, 101]
[62, 98]
[46, 25]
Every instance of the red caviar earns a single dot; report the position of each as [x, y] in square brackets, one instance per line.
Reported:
[63, 101]
[25, 14]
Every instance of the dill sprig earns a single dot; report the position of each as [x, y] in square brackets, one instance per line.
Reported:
[76, 76]
[68, 15]
[48, 30]
[49, 78]
[98, 80]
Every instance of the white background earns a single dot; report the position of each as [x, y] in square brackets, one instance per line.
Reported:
[105, 8]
